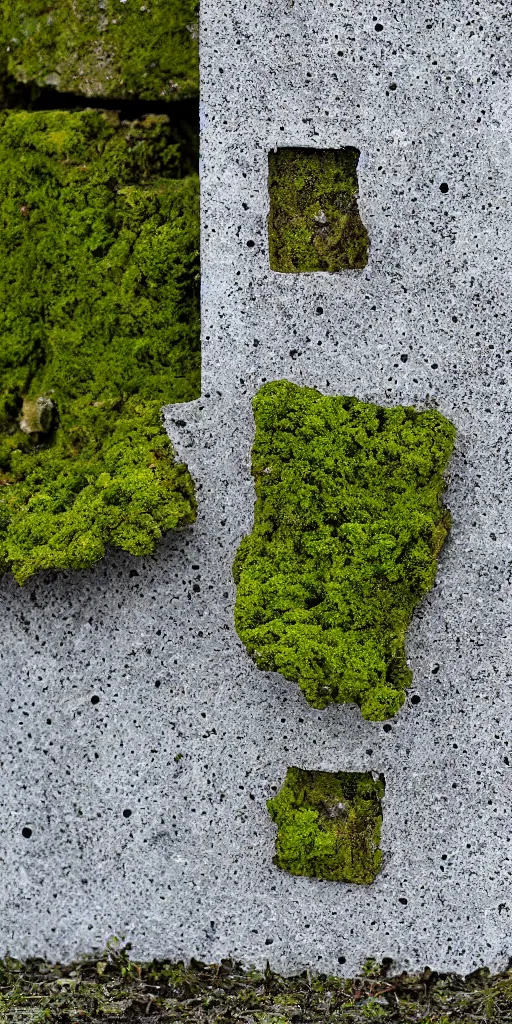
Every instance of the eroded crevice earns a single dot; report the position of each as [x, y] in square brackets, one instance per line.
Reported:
[182, 114]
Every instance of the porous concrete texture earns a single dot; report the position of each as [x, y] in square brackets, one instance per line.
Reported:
[187, 733]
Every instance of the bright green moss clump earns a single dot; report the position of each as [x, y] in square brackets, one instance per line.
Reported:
[348, 524]
[116, 48]
[99, 270]
[329, 825]
[314, 222]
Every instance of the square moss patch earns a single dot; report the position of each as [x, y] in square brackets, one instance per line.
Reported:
[329, 825]
[314, 222]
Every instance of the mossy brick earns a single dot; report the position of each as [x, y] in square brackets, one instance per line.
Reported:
[329, 825]
[348, 524]
[99, 286]
[117, 48]
[314, 222]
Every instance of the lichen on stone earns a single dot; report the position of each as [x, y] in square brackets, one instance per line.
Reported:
[116, 48]
[314, 222]
[329, 825]
[99, 291]
[348, 524]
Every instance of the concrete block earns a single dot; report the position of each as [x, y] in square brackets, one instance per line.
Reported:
[187, 733]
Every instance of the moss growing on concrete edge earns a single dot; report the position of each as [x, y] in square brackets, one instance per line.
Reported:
[314, 222]
[99, 292]
[111, 986]
[348, 524]
[329, 825]
[115, 49]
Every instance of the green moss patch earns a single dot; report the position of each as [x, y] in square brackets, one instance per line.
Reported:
[348, 524]
[329, 825]
[116, 48]
[99, 293]
[314, 222]
[110, 986]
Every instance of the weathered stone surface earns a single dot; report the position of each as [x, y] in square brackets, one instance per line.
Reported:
[187, 733]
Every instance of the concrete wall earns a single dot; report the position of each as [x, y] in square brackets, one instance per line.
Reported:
[187, 734]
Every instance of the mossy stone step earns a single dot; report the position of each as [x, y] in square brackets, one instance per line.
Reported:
[99, 292]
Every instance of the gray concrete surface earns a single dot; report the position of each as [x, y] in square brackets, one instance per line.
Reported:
[187, 733]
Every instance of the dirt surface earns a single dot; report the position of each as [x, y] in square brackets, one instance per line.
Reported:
[111, 986]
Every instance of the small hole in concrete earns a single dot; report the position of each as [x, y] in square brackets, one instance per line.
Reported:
[26, 832]
[415, 699]
[378, 27]
[342, 959]
[127, 813]
[443, 187]
[95, 699]
[251, 244]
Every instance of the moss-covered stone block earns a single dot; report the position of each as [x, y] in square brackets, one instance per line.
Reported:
[113, 48]
[348, 524]
[329, 825]
[99, 293]
[314, 221]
